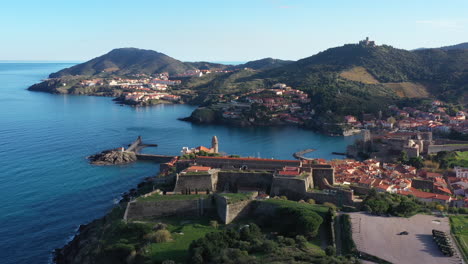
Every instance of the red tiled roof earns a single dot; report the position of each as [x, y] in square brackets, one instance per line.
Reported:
[248, 159]
[289, 173]
[197, 168]
[202, 148]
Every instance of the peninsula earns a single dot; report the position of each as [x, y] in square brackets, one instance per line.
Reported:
[338, 91]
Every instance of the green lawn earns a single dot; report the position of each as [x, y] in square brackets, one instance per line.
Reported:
[175, 197]
[322, 210]
[183, 233]
[459, 225]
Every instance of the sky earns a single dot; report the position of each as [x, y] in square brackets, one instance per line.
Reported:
[218, 30]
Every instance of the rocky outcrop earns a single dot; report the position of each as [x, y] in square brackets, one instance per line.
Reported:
[113, 157]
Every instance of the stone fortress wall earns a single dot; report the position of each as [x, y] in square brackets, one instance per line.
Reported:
[141, 210]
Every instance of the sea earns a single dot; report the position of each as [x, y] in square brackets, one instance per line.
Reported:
[47, 186]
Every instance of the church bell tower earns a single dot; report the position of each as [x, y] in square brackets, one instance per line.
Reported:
[214, 144]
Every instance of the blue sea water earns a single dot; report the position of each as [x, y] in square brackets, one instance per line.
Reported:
[47, 188]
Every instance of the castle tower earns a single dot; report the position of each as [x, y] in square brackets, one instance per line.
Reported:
[214, 144]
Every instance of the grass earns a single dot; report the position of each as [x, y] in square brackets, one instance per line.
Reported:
[459, 226]
[237, 197]
[175, 197]
[359, 74]
[183, 232]
[408, 89]
[462, 155]
[322, 210]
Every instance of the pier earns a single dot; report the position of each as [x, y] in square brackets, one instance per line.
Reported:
[137, 145]
[300, 154]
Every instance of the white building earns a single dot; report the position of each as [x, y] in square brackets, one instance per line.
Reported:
[461, 172]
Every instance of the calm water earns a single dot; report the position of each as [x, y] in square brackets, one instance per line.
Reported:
[47, 187]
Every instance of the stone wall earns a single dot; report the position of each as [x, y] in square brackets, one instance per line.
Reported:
[319, 174]
[155, 158]
[360, 189]
[337, 196]
[232, 181]
[137, 210]
[196, 181]
[293, 188]
[437, 148]
[154, 209]
[230, 212]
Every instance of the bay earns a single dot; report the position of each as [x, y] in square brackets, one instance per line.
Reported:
[47, 187]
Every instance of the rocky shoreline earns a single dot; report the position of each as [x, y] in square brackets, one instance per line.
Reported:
[81, 249]
[113, 157]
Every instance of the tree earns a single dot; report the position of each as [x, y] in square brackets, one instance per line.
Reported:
[440, 207]
[330, 251]
[330, 205]
[403, 157]
[416, 162]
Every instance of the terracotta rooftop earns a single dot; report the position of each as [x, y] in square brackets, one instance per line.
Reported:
[197, 168]
[247, 159]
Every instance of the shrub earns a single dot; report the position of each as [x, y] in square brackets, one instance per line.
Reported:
[159, 236]
[331, 205]
[301, 241]
[330, 251]
[214, 224]
[118, 253]
[159, 226]
[269, 246]
[311, 201]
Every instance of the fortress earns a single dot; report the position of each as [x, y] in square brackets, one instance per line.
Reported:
[221, 175]
[296, 179]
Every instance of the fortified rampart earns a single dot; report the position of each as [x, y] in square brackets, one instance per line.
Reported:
[245, 163]
[229, 212]
[140, 210]
[293, 188]
[196, 181]
[155, 158]
[232, 181]
[323, 172]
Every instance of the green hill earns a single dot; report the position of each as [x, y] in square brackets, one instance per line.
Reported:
[262, 64]
[353, 79]
[127, 61]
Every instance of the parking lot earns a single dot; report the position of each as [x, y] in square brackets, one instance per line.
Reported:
[382, 237]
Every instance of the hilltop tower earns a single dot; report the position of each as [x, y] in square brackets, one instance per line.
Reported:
[214, 144]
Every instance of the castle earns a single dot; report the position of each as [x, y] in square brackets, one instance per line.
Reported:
[367, 42]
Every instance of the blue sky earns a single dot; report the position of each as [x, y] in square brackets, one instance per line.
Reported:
[217, 30]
